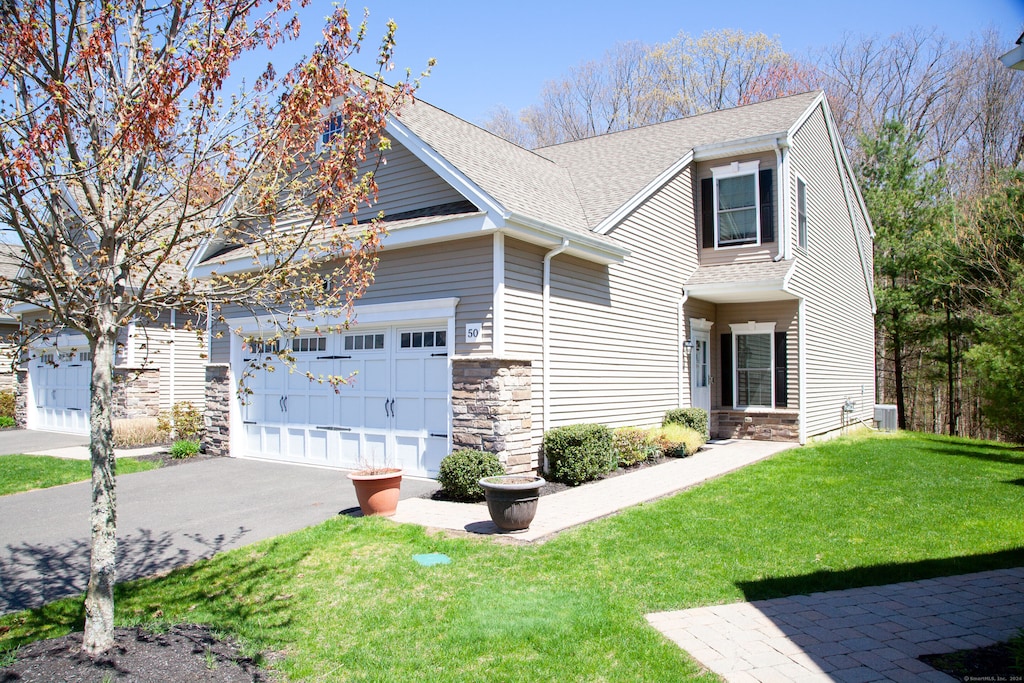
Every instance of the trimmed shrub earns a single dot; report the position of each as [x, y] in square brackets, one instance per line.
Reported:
[461, 472]
[184, 448]
[6, 422]
[184, 421]
[694, 418]
[633, 445]
[678, 441]
[579, 453]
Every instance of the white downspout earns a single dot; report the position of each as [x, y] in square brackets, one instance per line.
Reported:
[545, 334]
[782, 164]
[801, 340]
[174, 324]
[498, 298]
[680, 333]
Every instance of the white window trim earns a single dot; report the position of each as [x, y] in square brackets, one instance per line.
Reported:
[734, 170]
[748, 328]
[807, 245]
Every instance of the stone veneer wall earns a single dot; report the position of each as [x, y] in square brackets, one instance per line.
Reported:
[136, 392]
[767, 425]
[491, 409]
[21, 398]
[217, 437]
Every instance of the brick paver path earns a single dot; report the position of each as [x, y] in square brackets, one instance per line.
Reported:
[860, 634]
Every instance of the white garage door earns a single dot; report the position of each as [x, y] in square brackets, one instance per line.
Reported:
[60, 387]
[393, 410]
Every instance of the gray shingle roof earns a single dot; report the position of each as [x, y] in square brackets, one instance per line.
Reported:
[609, 170]
[576, 185]
[738, 273]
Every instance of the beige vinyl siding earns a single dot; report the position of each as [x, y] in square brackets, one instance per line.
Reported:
[615, 344]
[784, 315]
[748, 254]
[463, 268]
[152, 344]
[405, 183]
[839, 323]
[524, 283]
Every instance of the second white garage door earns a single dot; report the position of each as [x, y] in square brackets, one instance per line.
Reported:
[60, 390]
[394, 408]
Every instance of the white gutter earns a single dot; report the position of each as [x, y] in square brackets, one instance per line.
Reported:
[546, 334]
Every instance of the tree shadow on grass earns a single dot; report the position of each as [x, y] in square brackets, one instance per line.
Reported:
[880, 574]
[32, 575]
[1008, 454]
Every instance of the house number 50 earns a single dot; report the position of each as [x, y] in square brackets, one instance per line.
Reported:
[473, 333]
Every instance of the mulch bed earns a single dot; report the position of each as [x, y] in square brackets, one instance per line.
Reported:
[183, 654]
[165, 459]
[556, 487]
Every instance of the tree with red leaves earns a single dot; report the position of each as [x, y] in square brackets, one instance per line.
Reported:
[121, 153]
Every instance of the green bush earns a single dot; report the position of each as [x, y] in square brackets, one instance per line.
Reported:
[6, 422]
[184, 449]
[633, 446]
[461, 472]
[184, 421]
[7, 403]
[678, 441]
[579, 453]
[694, 418]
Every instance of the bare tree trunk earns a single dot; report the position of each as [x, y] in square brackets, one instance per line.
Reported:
[897, 367]
[950, 389]
[99, 598]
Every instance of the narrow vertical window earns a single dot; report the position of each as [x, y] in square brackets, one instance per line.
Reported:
[801, 213]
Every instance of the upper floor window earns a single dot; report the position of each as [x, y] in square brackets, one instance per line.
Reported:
[335, 126]
[801, 212]
[737, 206]
[736, 210]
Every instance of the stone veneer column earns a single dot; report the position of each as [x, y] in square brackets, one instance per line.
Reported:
[21, 398]
[492, 409]
[217, 436]
[136, 392]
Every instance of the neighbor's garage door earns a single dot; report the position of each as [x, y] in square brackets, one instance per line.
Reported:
[393, 409]
[60, 383]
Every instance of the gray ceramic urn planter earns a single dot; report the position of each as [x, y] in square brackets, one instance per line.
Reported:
[512, 499]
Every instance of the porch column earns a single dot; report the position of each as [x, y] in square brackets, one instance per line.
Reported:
[492, 409]
[217, 436]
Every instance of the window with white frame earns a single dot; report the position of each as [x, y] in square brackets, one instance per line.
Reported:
[737, 213]
[334, 126]
[754, 362]
[801, 212]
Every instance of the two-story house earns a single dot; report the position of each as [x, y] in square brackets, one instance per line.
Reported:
[721, 261]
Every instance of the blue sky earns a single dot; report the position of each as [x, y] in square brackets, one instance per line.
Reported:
[492, 52]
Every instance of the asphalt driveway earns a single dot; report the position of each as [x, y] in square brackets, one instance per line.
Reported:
[167, 518]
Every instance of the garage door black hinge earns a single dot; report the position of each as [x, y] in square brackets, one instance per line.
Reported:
[441, 436]
[248, 422]
[335, 429]
[439, 354]
[332, 357]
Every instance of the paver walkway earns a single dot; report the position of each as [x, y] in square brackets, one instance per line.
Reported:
[859, 634]
[575, 506]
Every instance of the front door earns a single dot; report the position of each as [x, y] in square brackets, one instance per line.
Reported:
[700, 364]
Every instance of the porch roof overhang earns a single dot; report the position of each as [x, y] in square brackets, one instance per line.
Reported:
[742, 282]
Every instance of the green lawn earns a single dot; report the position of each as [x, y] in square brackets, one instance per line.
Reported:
[26, 472]
[345, 601]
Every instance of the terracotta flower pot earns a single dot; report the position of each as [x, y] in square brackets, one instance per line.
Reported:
[377, 490]
[512, 499]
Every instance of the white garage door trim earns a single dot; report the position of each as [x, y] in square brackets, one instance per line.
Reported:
[58, 389]
[397, 410]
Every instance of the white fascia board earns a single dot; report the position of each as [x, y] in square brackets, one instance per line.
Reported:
[445, 169]
[1014, 59]
[21, 308]
[799, 123]
[362, 314]
[580, 245]
[758, 143]
[605, 226]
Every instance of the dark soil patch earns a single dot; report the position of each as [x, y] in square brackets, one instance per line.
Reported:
[184, 654]
[556, 487]
[165, 459]
[992, 663]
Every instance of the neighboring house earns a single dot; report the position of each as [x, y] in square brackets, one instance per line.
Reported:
[1014, 59]
[721, 261]
[9, 264]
